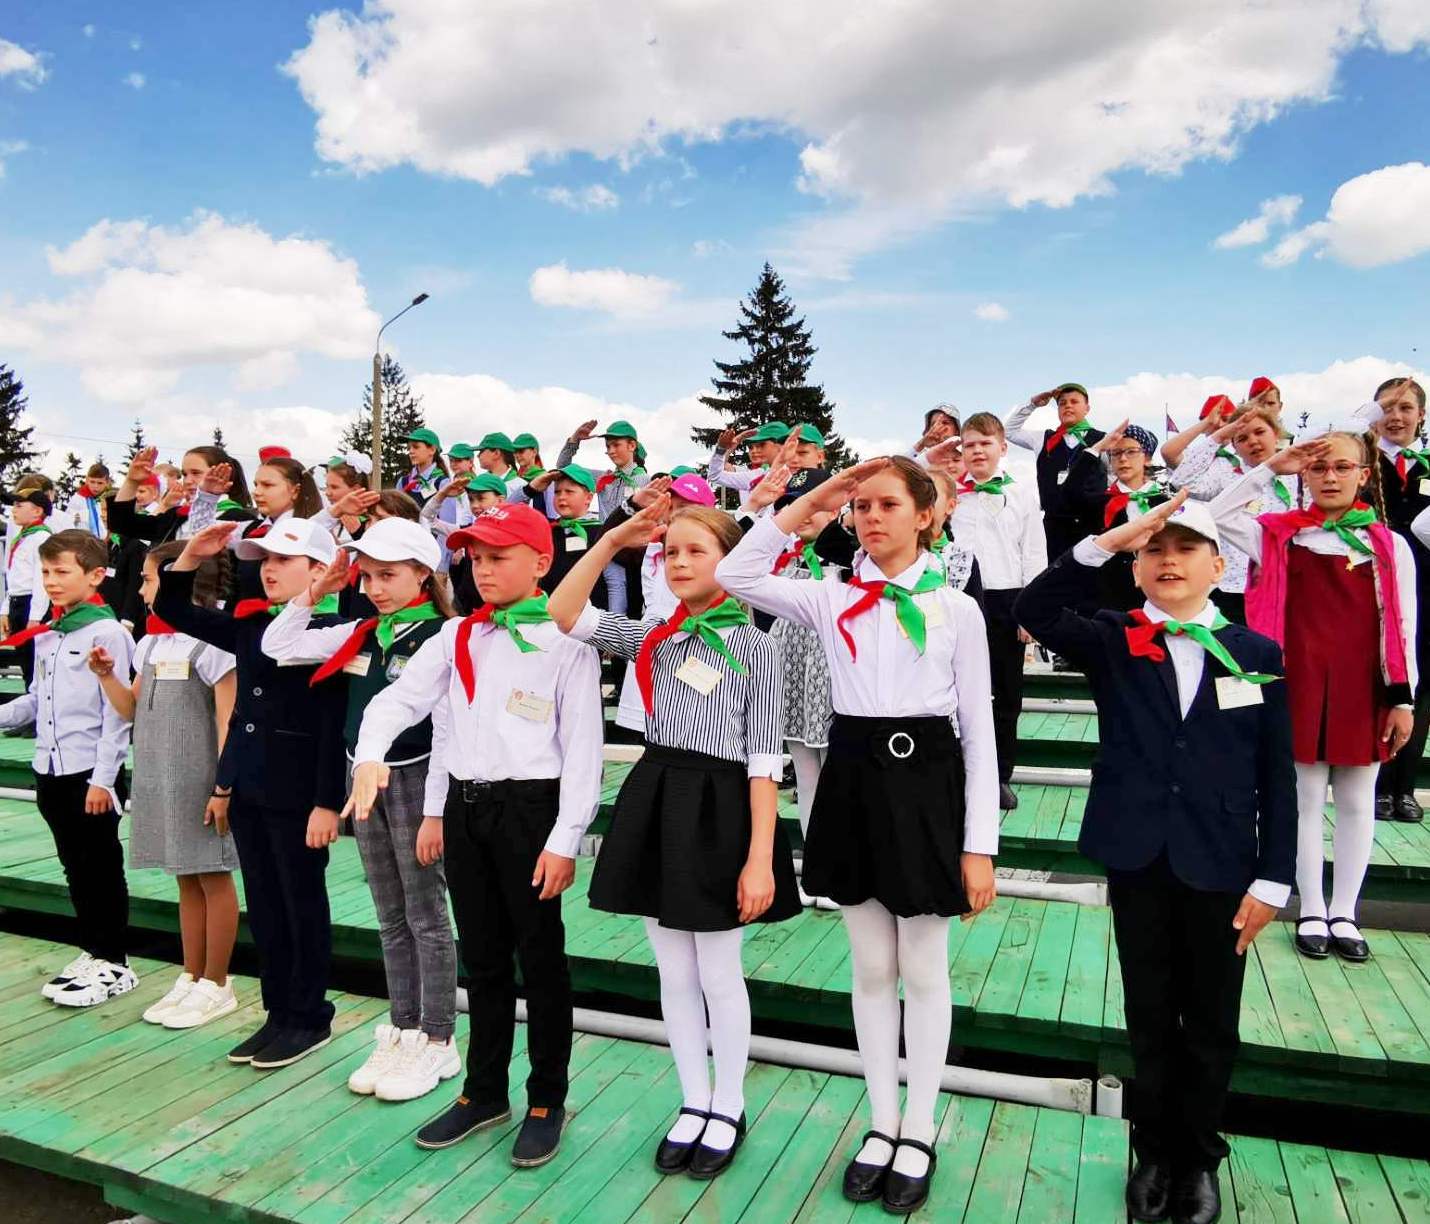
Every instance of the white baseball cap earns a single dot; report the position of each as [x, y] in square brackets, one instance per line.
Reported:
[1194, 516]
[291, 537]
[398, 539]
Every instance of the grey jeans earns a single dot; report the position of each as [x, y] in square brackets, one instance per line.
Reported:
[419, 954]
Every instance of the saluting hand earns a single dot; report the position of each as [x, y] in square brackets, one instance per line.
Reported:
[947, 455]
[207, 543]
[359, 501]
[141, 467]
[647, 494]
[771, 488]
[1109, 440]
[333, 579]
[840, 488]
[218, 480]
[641, 528]
[1135, 533]
[1295, 459]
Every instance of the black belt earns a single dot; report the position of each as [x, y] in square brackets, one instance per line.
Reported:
[685, 758]
[895, 741]
[488, 792]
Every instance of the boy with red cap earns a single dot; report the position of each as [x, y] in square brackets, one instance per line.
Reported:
[524, 756]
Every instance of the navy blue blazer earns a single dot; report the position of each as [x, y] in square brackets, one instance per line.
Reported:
[284, 749]
[1215, 791]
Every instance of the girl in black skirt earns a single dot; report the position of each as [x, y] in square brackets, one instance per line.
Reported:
[694, 845]
[905, 819]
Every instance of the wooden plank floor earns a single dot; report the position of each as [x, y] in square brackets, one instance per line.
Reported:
[1028, 977]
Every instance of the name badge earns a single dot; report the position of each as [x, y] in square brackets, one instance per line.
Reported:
[395, 666]
[1062, 476]
[575, 543]
[529, 706]
[932, 610]
[358, 665]
[699, 675]
[1233, 693]
[1255, 507]
[109, 571]
[172, 669]
[1425, 486]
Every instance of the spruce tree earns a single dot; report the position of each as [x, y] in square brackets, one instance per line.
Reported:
[136, 442]
[401, 414]
[771, 381]
[69, 479]
[16, 452]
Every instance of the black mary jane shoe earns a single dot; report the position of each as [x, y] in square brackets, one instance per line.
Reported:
[1317, 947]
[904, 1194]
[1149, 1191]
[708, 1162]
[1196, 1198]
[863, 1183]
[673, 1157]
[1348, 947]
[1385, 807]
[1408, 810]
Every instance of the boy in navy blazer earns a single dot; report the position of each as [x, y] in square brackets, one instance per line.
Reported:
[1193, 813]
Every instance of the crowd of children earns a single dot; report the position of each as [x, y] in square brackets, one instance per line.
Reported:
[295, 649]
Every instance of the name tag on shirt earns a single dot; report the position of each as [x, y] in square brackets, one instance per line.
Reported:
[358, 665]
[1062, 476]
[172, 669]
[1425, 486]
[395, 666]
[109, 571]
[575, 543]
[699, 675]
[529, 706]
[1233, 693]
[933, 614]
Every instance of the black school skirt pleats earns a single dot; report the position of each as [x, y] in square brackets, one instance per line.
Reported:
[678, 841]
[887, 823]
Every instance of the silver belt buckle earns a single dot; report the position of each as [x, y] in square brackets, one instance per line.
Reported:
[895, 739]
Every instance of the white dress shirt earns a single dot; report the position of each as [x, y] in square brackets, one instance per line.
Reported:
[82, 514]
[889, 678]
[742, 480]
[659, 601]
[211, 666]
[488, 742]
[1005, 532]
[76, 729]
[1188, 661]
[22, 576]
[1032, 439]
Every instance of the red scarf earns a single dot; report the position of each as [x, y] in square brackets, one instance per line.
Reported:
[605, 482]
[257, 532]
[86, 492]
[1142, 635]
[1116, 503]
[154, 626]
[357, 639]
[250, 607]
[783, 560]
[873, 592]
[1077, 429]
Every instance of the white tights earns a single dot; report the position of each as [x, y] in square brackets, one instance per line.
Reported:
[700, 971]
[885, 949]
[1353, 789]
[808, 762]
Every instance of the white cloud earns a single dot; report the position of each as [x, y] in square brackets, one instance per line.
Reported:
[992, 312]
[8, 148]
[1275, 213]
[156, 301]
[1374, 219]
[26, 67]
[136, 43]
[595, 198]
[907, 112]
[135, 80]
[707, 248]
[88, 30]
[624, 294]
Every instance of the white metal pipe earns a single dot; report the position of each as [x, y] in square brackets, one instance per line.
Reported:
[1089, 893]
[1045, 776]
[1059, 705]
[15, 792]
[1109, 1097]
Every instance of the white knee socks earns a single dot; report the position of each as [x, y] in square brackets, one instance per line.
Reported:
[1353, 789]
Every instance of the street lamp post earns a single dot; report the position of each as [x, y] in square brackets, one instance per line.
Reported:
[375, 480]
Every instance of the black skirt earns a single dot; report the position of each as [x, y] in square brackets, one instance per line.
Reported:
[887, 823]
[678, 841]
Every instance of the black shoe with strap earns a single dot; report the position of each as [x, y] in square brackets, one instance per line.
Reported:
[1348, 947]
[673, 1157]
[1196, 1198]
[1317, 947]
[1149, 1191]
[1408, 810]
[863, 1183]
[904, 1194]
[708, 1162]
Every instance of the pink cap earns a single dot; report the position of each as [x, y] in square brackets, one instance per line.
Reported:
[694, 489]
[510, 523]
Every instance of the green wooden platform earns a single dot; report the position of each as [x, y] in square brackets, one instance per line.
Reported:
[1029, 977]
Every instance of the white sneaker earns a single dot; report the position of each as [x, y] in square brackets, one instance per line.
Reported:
[424, 1064]
[181, 988]
[100, 982]
[205, 1001]
[363, 1081]
[66, 975]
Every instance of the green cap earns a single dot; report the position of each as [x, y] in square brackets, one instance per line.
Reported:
[496, 441]
[620, 429]
[575, 472]
[334, 461]
[808, 433]
[1072, 387]
[771, 431]
[525, 442]
[461, 450]
[485, 482]
[424, 435]
[684, 470]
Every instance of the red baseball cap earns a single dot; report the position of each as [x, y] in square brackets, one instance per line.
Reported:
[265, 453]
[1215, 403]
[1260, 385]
[510, 523]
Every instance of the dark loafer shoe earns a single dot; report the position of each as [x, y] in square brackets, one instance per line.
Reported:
[904, 1194]
[1196, 1198]
[539, 1138]
[863, 1183]
[1408, 810]
[461, 1119]
[1385, 807]
[673, 1157]
[289, 1046]
[1317, 947]
[1349, 947]
[1149, 1191]
[708, 1162]
[245, 1050]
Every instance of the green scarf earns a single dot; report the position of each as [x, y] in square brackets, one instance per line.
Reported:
[812, 562]
[33, 529]
[82, 614]
[1283, 494]
[906, 610]
[225, 504]
[1229, 456]
[327, 606]
[576, 527]
[1345, 525]
[1143, 496]
[532, 473]
[1206, 638]
[629, 478]
[528, 611]
[1417, 457]
[388, 622]
[996, 485]
[724, 615]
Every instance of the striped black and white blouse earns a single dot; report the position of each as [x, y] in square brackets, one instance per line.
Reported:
[741, 719]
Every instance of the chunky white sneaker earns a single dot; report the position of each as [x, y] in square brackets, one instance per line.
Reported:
[100, 982]
[66, 975]
[176, 995]
[424, 1064]
[384, 1057]
[205, 1001]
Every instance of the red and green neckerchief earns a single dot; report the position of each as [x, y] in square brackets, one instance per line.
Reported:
[1118, 499]
[607, 479]
[1417, 458]
[725, 614]
[244, 608]
[1343, 525]
[1142, 642]
[32, 529]
[82, 614]
[804, 553]
[908, 612]
[1078, 429]
[577, 527]
[420, 609]
[996, 485]
[528, 611]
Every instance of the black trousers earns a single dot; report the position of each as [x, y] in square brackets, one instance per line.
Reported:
[286, 895]
[492, 837]
[1005, 659]
[1181, 982]
[93, 861]
[1397, 775]
[19, 618]
[1061, 533]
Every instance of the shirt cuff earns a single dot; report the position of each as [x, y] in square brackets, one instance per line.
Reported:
[587, 624]
[564, 841]
[766, 765]
[1270, 893]
[1089, 552]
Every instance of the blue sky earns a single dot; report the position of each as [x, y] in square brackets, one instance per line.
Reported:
[1120, 281]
